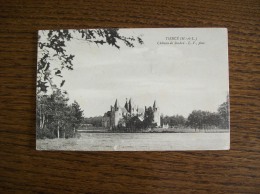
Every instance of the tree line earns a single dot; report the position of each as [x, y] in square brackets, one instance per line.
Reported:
[55, 117]
[94, 121]
[199, 119]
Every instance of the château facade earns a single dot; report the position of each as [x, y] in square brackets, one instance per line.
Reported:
[116, 115]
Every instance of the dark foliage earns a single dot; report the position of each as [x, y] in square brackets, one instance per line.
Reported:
[223, 112]
[148, 118]
[203, 119]
[199, 119]
[174, 121]
[55, 117]
[95, 121]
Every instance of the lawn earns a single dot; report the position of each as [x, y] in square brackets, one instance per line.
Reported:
[137, 141]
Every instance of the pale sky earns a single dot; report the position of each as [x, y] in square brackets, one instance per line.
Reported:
[181, 78]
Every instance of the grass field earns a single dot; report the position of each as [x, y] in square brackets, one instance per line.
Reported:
[138, 141]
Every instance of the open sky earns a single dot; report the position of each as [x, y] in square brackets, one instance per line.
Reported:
[181, 78]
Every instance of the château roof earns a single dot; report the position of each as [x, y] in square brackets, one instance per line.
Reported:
[154, 104]
[130, 106]
[116, 105]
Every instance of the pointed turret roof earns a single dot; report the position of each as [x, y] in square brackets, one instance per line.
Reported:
[130, 105]
[116, 105]
[126, 105]
[154, 105]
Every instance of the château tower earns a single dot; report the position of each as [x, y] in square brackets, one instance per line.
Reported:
[156, 114]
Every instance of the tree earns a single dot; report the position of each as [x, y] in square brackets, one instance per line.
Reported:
[122, 123]
[196, 118]
[50, 110]
[55, 118]
[212, 120]
[95, 121]
[74, 119]
[148, 118]
[223, 112]
[44, 116]
[133, 123]
[53, 57]
[60, 111]
[77, 114]
[177, 121]
[203, 119]
[174, 121]
[42, 110]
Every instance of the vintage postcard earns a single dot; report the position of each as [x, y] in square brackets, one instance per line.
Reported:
[140, 89]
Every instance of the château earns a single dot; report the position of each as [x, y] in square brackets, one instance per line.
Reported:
[117, 115]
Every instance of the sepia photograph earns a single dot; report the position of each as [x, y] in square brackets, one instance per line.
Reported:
[140, 89]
